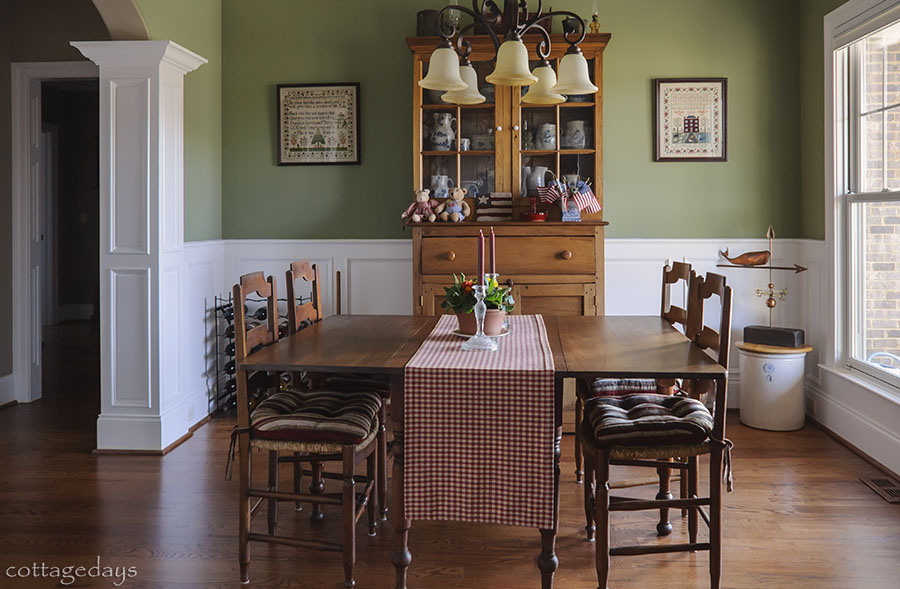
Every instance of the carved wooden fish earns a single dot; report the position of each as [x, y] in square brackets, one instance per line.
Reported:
[748, 259]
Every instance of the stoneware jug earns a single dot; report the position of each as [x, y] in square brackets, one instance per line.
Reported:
[440, 186]
[575, 136]
[545, 138]
[443, 134]
[536, 179]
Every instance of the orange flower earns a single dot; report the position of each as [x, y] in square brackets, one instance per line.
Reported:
[467, 286]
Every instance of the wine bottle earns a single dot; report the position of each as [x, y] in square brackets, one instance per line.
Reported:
[230, 367]
[230, 385]
[258, 382]
[228, 313]
[260, 314]
[229, 349]
[282, 329]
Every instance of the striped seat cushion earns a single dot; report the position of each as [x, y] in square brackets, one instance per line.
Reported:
[320, 416]
[647, 420]
[616, 387]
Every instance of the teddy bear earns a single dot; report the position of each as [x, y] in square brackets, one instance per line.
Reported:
[422, 209]
[454, 208]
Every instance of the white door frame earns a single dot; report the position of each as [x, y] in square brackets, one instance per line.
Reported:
[26, 194]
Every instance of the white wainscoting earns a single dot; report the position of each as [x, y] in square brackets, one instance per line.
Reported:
[377, 279]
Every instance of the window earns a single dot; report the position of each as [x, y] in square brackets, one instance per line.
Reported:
[868, 152]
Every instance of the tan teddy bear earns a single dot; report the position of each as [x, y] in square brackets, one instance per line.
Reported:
[454, 208]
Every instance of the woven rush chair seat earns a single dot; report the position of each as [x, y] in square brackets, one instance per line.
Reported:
[617, 387]
[647, 420]
[320, 416]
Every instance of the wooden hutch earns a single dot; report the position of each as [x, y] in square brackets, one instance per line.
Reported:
[556, 268]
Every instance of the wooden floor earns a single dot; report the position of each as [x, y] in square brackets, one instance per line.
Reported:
[799, 517]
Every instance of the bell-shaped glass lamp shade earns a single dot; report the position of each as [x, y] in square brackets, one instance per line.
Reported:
[470, 95]
[542, 91]
[573, 76]
[512, 66]
[443, 71]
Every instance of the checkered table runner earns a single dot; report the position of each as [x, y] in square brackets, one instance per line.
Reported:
[480, 428]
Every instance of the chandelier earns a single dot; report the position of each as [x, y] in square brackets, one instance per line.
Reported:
[451, 71]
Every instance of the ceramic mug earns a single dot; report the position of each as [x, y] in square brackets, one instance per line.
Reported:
[464, 143]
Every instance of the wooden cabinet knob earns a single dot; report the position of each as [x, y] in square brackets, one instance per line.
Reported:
[565, 255]
[510, 282]
[450, 256]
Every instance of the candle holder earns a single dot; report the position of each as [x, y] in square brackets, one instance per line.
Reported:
[479, 341]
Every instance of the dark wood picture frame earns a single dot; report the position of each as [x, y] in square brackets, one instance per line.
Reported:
[353, 119]
[719, 124]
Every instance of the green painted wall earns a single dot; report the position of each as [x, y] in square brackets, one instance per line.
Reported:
[754, 44]
[197, 25]
[812, 117]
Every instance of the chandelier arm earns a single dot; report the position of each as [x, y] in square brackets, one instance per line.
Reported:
[447, 33]
[543, 46]
[580, 31]
[463, 46]
[530, 22]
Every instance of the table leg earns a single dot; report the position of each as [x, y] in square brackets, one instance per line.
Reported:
[401, 557]
[547, 561]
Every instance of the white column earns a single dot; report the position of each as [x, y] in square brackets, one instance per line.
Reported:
[141, 241]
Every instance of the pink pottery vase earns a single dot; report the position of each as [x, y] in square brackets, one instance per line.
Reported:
[493, 322]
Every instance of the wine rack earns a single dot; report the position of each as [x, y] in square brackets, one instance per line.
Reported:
[259, 383]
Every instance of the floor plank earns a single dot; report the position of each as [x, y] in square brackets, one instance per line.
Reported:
[799, 517]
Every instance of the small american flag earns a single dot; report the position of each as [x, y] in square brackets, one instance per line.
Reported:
[585, 199]
[551, 193]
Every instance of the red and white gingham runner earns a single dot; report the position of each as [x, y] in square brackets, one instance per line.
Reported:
[480, 429]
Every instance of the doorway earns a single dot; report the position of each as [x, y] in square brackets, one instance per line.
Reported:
[69, 234]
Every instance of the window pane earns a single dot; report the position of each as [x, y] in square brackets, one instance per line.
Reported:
[873, 73]
[892, 121]
[872, 152]
[892, 55]
[878, 297]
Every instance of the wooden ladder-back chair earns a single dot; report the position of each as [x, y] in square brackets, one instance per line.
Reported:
[301, 315]
[315, 427]
[671, 275]
[695, 431]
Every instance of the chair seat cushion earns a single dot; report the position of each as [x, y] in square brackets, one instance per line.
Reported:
[647, 420]
[319, 416]
[616, 387]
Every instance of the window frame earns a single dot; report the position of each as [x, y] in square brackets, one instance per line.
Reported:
[848, 77]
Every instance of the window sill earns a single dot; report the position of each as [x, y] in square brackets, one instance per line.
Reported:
[873, 385]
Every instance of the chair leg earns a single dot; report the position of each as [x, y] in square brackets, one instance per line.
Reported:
[664, 527]
[244, 510]
[601, 515]
[715, 517]
[373, 504]
[589, 490]
[272, 504]
[685, 488]
[349, 515]
[579, 455]
[316, 487]
[382, 462]
[692, 492]
[298, 481]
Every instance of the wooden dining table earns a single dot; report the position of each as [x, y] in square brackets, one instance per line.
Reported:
[583, 347]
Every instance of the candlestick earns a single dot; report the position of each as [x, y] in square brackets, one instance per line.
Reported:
[493, 253]
[479, 277]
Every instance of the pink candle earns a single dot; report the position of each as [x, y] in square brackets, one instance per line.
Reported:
[479, 278]
[493, 253]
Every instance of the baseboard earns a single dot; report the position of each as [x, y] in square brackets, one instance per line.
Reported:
[853, 448]
[129, 433]
[854, 425]
[7, 390]
[8, 405]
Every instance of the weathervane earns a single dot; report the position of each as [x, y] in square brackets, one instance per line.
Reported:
[763, 260]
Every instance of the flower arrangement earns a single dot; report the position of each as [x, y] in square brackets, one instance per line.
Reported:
[460, 298]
